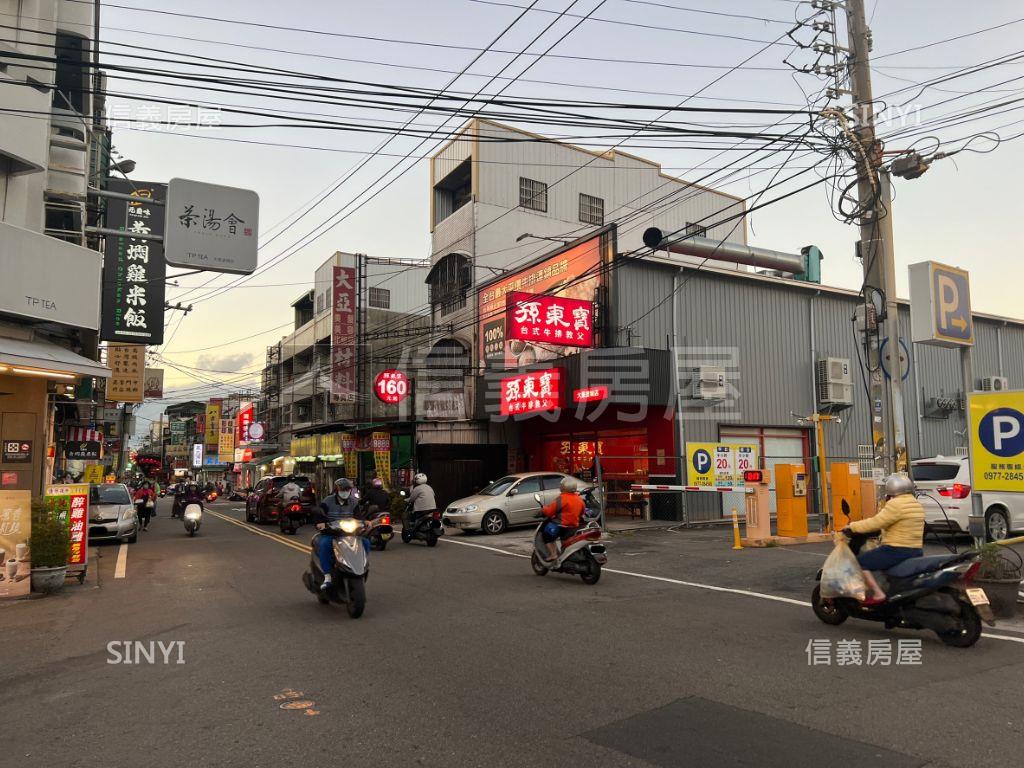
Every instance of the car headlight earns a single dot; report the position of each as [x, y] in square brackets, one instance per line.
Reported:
[470, 508]
[128, 513]
[350, 525]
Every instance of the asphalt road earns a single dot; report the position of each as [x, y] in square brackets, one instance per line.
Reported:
[465, 658]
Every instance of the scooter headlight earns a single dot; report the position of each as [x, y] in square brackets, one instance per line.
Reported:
[193, 514]
[350, 525]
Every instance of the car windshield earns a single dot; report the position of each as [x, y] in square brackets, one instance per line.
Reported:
[498, 488]
[281, 482]
[109, 494]
[931, 471]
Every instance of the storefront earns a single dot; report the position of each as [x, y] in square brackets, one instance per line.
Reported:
[359, 455]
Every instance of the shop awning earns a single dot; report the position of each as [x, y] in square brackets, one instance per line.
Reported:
[41, 357]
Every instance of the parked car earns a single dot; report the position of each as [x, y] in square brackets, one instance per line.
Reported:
[263, 504]
[947, 498]
[112, 515]
[505, 503]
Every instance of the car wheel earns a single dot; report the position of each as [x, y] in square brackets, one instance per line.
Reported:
[249, 518]
[493, 523]
[997, 524]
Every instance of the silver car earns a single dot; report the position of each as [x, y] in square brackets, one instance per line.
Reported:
[505, 503]
[112, 515]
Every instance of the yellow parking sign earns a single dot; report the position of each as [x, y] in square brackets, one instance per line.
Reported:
[718, 465]
[997, 440]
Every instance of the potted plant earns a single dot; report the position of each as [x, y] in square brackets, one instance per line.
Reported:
[1000, 577]
[48, 545]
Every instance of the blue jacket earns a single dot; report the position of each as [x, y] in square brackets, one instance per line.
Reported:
[331, 508]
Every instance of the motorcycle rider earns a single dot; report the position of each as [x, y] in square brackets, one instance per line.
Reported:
[901, 521]
[376, 496]
[563, 516]
[340, 504]
[421, 497]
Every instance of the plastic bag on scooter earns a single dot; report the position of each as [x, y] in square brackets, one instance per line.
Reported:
[841, 576]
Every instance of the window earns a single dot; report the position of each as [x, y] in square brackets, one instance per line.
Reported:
[529, 485]
[696, 230]
[453, 191]
[448, 282]
[72, 72]
[533, 194]
[591, 210]
[933, 472]
[380, 298]
[552, 482]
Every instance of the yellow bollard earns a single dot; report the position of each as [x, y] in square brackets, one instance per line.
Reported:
[735, 531]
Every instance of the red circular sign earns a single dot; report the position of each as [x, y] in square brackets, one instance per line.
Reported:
[391, 386]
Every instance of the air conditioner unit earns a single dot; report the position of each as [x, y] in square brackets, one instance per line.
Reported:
[835, 383]
[709, 383]
[995, 384]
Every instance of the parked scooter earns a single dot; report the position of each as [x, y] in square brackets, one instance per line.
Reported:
[582, 554]
[421, 527]
[193, 517]
[923, 593]
[351, 567]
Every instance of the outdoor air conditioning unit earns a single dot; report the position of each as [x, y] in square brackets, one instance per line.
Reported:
[709, 383]
[995, 384]
[835, 383]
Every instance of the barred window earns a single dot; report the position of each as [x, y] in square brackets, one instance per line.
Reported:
[591, 210]
[380, 298]
[696, 230]
[533, 194]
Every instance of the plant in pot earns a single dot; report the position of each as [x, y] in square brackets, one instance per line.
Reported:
[48, 544]
[1000, 577]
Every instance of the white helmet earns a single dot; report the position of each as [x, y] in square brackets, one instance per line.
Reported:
[568, 485]
[419, 479]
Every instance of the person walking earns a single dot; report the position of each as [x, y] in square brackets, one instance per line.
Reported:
[145, 503]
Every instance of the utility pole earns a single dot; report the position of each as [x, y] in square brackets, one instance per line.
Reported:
[888, 432]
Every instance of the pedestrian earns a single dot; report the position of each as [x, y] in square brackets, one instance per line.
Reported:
[145, 503]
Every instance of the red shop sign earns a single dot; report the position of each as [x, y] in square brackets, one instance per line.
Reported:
[531, 392]
[391, 386]
[77, 515]
[550, 319]
[590, 394]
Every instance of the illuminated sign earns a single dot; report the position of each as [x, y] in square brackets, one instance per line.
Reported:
[549, 319]
[590, 394]
[531, 392]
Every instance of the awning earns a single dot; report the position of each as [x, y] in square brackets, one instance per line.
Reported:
[46, 357]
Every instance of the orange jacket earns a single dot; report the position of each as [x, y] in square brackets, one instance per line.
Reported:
[566, 509]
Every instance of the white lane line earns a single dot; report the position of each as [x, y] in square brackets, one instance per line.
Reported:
[697, 585]
[122, 562]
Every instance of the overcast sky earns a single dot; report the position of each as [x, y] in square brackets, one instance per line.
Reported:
[962, 212]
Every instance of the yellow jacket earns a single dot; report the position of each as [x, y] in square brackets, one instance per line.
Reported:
[901, 521]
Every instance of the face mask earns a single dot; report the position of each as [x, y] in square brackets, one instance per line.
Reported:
[343, 495]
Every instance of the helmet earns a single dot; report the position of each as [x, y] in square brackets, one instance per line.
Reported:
[568, 485]
[898, 484]
[377, 483]
[419, 479]
[343, 484]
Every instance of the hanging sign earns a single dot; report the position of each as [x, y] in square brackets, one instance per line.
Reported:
[343, 335]
[391, 386]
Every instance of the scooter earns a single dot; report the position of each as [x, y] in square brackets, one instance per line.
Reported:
[292, 516]
[421, 527]
[351, 567]
[582, 554]
[380, 530]
[193, 517]
[931, 593]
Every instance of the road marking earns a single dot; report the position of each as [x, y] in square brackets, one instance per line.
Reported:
[697, 585]
[273, 537]
[122, 562]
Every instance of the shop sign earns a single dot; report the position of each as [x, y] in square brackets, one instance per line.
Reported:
[718, 465]
[88, 450]
[243, 455]
[590, 394]
[213, 411]
[381, 442]
[177, 429]
[343, 336]
[243, 420]
[93, 474]
[17, 451]
[531, 392]
[153, 386]
[997, 440]
[573, 274]
[391, 386]
[134, 269]
[127, 363]
[15, 529]
[212, 227]
[226, 441]
[308, 445]
[197, 455]
[70, 503]
[549, 319]
[255, 432]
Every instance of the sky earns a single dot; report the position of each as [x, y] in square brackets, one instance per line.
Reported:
[958, 213]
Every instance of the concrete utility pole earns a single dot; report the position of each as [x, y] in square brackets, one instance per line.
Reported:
[888, 432]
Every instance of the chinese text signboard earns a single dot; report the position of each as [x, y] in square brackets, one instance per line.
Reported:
[242, 422]
[531, 392]
[553, 320]
[391, 386]
[177, 431]
[127, 363]
[15, 529]
[574, 274]
[226, 443]
[381, 442]
[213, 409]
[85, 450]
[997, 440]
[71, 504]
[153, 383]
[211, 227]
[197, 454]
[343, 336]
[718, 465]
[134, 269]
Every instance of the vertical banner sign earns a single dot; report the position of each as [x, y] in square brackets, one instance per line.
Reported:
[71, 504]
[127, 363]
[242, 422]
[197, 455]
[15, 529]
[343, 336]
[226, 443]
[213, 410]
[153, 386]
[134, 270]
[177, 431]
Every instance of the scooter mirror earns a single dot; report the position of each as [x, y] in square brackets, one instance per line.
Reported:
[536, 497]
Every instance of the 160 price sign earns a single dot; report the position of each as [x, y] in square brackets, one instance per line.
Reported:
[391, 386]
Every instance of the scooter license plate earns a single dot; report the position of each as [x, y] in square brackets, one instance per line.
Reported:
[977, 596]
